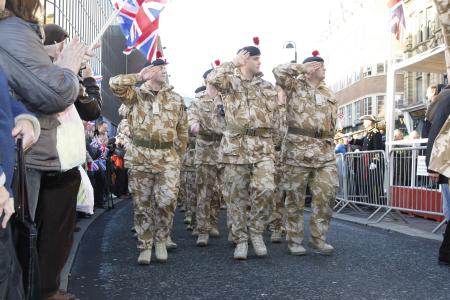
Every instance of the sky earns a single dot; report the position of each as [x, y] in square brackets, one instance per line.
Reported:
[197, 32]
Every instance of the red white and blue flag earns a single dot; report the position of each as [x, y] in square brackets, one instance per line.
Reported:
[139, 22]
[98, 79]
[397, 17]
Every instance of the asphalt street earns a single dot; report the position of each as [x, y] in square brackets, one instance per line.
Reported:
[368, 263]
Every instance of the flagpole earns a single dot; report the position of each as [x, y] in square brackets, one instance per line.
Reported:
[106, 25]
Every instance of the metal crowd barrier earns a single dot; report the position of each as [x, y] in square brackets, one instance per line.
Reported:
[398, 184]
[362, 183]
[410, 188]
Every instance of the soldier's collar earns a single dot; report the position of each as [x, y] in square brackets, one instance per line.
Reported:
[147, 89]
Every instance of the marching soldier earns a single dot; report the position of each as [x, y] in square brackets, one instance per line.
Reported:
[308, 152]
[277, 215]
[247, 149]
[207, 121]
[190, 188]
[159, 129]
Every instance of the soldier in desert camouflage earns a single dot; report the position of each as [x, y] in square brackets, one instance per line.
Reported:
[159, 129]
[247, 148]
[208, 123]
[307, 152]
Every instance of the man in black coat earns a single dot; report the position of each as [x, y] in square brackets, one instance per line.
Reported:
[439, 118]
[370, 166]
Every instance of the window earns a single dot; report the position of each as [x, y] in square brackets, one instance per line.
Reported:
[380, 68]
[367, 72]
[428, 19]
[419, 88]
[380, 106]
[341, 116]
[368, 106]
[357, 110]
[399, 102]
[348, 115]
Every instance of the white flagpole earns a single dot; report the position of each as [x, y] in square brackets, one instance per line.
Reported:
[108, 22]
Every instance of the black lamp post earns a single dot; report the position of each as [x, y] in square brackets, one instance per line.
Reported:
[291, 45]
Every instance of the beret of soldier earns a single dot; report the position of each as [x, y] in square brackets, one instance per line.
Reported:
[159, 61]
[369, 117]
[207, 73]
[315, 57]
[200, 89]
[54, 34]
[216, 63]
[252, 50]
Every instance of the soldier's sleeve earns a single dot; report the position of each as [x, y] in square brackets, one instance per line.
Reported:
[285, 74]
[221, 76]
[182, 131]
[193, 114]
[123, 86]
[279, 132]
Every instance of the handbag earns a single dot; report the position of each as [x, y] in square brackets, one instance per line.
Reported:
[25, 232]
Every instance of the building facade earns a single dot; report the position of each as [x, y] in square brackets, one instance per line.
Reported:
[423, 33]
[357, 68]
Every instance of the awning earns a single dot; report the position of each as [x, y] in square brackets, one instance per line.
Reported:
[431, 61]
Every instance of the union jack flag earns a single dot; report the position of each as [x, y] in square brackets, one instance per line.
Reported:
[139, 21]
[397, 17]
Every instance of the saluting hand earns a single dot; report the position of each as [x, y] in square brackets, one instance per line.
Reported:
[241, 57]
[147, 73]
[311, 67]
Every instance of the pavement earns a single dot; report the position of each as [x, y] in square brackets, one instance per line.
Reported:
[369, 263]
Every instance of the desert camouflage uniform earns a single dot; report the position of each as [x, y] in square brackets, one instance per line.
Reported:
[205, 111]
[123, 129]
[188, 182]
[277, 215]
[158, 124]
[247, 148]
[307, 152]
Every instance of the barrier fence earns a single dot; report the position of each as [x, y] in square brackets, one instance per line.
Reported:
[399, 184]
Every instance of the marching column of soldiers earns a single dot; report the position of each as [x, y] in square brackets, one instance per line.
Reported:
[242, 142]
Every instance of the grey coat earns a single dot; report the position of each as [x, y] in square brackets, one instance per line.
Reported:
[44, 88]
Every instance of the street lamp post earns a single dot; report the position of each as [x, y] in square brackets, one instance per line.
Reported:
[291, 45]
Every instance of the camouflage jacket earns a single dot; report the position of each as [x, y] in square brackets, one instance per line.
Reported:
[188, 160]
[309, 109]
[249, 105]
[168, 124]
[123, 133]
[205, 111]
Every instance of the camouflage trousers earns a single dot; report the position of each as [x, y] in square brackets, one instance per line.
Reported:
[208, 197]
[277, 214]
[249, 186]
[181, 199]
[323, 184]
[155, 200]
[224, 194]
[188, 191]
[191, 195]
